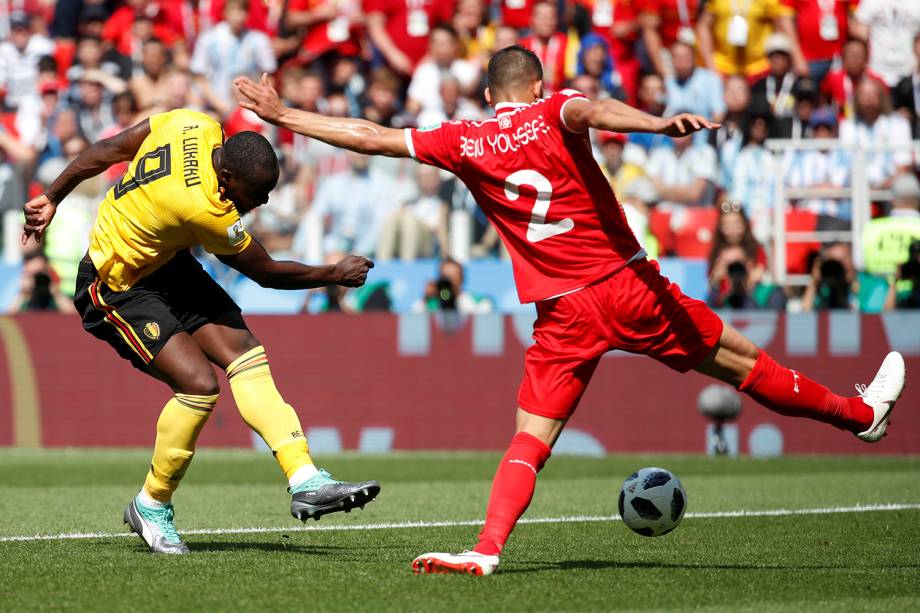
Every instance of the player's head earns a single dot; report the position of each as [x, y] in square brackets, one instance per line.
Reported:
[515, 75]
[247, 170]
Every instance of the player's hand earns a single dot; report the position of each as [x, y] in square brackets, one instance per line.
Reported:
[261, 98]
[39, 212]
[684, 124]
[351, 271]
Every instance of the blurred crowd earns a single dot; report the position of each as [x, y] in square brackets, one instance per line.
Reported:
[75, 71]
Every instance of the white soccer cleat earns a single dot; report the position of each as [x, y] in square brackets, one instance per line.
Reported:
[882, 394]
[466, 563]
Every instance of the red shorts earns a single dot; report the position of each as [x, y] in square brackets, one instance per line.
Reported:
[636, 310]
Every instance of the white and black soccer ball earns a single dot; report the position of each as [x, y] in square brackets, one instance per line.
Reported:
[652, 501]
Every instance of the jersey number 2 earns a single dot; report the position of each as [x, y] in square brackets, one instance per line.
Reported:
[538, 229]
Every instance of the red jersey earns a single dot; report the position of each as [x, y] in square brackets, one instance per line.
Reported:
[553, 55]
[821, 25]
[409, 22]
[516, 13]
[341, 34]
[674, 14]
[538, 183]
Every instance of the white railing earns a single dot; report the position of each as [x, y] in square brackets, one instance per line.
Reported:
[859, 193]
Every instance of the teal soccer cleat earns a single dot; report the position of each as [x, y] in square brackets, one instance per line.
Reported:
[155, 526]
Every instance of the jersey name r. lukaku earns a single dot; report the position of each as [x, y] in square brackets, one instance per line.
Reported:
[540, 186]
[167, 201]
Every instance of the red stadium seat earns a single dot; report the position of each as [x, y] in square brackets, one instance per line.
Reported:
[694, 228]
[659, 224]
[799, 220]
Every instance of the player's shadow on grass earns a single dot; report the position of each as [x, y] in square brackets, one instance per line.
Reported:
[267, 546]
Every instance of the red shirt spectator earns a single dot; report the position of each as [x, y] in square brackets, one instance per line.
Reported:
[516, 13]
[166, 15]
[551, 47]
[822, 25]
[839, 85]
[241, 120]
[328, 25]
[663, 21]
[399, 28]
[616, 21]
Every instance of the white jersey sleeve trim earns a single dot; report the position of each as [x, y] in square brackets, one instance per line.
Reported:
[409, 144]
[562, 113]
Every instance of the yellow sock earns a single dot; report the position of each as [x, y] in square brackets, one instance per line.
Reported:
[182, 419]
[265, 411]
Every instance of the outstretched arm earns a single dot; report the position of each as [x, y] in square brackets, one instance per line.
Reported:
[120, 148]
[615, 116]
[354, 134]
[258, 265]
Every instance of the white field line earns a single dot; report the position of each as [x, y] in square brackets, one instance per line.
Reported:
[868, 508]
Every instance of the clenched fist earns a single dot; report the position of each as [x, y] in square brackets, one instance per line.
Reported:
[351, 271]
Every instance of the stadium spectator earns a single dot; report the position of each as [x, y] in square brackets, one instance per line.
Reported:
[622, 162]
[419, 228]
[817, 30]
[94, 108]
[889, 26]
[39, 287]
[729, 138]
[325, 27]
[886, 240]
[399, 29]
[91, 56]
[753, 182]
[875, 125]
[15, 157]
[353, 206]
[737, 263]
[904, 293]
[697, 89]
[124, 114]
[180, 92]
[732, 35]
[453, 105]
[594, 60]
[652, 98]
[664, 22]
[775, 91]
[226, 51]
[149, 81]
[830, 285]
[806, 99]
[839, 85]
[616, 22]
[550, 45]
[906, 94]
[476, 34]
[447, 294]
[683, 173]
[19, 58]
[443, 59]
[821, 168]
[382, 98]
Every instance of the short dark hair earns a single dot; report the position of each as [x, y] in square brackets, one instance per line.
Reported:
[250, 157]
[514, 67]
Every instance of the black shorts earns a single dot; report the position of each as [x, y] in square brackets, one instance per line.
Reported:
[179, 297]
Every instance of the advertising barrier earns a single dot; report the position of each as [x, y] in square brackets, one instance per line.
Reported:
[376, 383]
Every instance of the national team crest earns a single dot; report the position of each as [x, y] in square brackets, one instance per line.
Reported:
[152, 330]
[504, 122]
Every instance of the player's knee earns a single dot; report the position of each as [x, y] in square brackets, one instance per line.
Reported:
[200, 383]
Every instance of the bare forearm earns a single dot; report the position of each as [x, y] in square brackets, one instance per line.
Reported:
[616, 116]
[88, 164]
[294, 275]
[355, 134]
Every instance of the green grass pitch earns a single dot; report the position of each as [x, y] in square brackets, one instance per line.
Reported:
[816, 562]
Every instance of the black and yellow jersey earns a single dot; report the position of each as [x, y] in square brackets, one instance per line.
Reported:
[167, 201]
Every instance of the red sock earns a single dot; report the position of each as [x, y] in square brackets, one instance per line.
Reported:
[512, 491]
[789, 392]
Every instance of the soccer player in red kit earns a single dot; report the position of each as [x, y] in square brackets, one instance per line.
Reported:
[532, 172]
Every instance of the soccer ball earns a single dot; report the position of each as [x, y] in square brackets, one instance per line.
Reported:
[652, 501]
